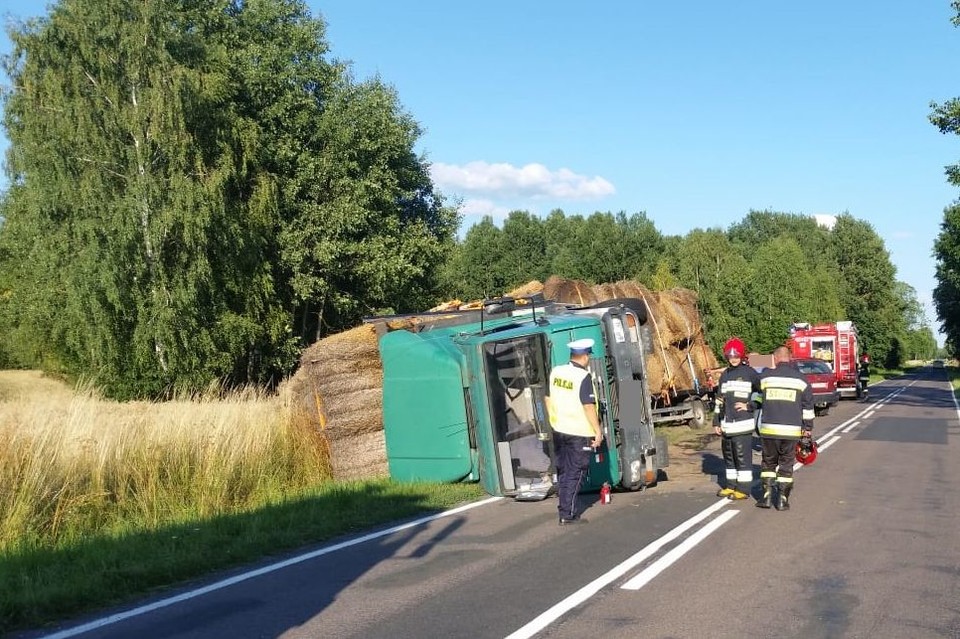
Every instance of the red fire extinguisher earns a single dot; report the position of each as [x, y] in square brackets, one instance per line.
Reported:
[605, 494]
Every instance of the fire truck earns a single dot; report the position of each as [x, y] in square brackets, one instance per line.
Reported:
[837, 344]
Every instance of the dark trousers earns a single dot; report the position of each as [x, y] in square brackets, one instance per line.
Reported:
[778, 457]
[573, 460]
[737, 457]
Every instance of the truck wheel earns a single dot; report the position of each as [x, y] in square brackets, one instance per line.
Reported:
[635, 304]
[700, 418]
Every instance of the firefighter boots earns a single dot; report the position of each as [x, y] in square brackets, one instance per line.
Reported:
[726, 491]
[783, 503]
[767, 500]
[740, 492]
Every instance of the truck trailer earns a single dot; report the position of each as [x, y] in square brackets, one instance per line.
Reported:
[463, 395]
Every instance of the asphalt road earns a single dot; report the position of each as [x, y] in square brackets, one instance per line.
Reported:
[870, 548]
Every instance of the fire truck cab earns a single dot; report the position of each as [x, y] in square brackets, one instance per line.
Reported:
[837, 344]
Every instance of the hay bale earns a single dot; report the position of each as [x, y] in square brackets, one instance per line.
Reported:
[568, 291]
[361, 456]
[604, 292]
[340, 384]
[678, 315]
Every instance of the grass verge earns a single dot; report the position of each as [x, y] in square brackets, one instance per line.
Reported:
[103, 502]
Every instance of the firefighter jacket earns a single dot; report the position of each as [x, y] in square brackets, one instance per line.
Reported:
[737, 384]
[571, 387]
[787, 402]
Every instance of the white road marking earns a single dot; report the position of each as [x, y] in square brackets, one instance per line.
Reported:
[192, 594]
[851, 427]
[654, 569]
[827, 444]
[572, 601]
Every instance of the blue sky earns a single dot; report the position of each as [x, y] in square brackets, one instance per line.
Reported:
[692, 112]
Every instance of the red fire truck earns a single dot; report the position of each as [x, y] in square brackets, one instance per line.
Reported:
[836, 344]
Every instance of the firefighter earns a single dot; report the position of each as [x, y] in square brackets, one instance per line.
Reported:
[733, 420]
[572, 406]
[863, 375]
[786, 416]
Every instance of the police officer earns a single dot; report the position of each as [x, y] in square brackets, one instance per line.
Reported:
[787, 415]
[572, 406]
[733, 420]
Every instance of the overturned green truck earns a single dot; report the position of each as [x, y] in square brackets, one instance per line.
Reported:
[463, 395]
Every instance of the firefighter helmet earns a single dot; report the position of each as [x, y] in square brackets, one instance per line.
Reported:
[734, 348]
[806, 450]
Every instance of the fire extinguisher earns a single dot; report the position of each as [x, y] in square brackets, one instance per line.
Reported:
[605, 494]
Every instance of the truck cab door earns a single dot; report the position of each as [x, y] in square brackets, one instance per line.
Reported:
[516, 377]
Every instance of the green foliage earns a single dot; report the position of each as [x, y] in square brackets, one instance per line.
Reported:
[197, 191]
[753, 280]
[867, 284]
[946, 294]
[603, 247]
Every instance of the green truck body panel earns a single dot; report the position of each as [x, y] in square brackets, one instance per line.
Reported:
[429, 439]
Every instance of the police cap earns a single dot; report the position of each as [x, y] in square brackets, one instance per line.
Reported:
[581, 346]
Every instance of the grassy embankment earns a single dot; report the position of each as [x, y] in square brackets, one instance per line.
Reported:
[103, 501]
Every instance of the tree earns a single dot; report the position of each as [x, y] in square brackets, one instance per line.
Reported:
[190, 177]
[524, 252]
[946, 294]
[867, 284]
[710, 264]
[778, 293]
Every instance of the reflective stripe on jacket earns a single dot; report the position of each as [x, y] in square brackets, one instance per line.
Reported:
[736, 384]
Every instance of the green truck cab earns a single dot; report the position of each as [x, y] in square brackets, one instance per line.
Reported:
[463, 397]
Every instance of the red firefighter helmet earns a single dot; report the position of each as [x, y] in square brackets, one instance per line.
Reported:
[734, 348]
[806, 450]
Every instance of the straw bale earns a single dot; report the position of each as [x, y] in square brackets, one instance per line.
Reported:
[340, 383]
[604, 292]
[678, 314]
[568, 291]
[452, 305]
[631, 288]
[362, 456]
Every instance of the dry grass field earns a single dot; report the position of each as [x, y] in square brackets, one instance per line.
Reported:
[72, 463]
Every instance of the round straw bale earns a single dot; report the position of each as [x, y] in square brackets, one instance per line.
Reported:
[568, 291]
[359, 457]
[604, 292]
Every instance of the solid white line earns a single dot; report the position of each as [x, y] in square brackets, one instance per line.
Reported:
[870, 414]
[953, 396]
[169, 601]
[668, 559]
[850, 427]
[572, 601]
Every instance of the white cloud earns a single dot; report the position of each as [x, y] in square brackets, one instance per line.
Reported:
[826, 221]
[503, 180]
[480, 207]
